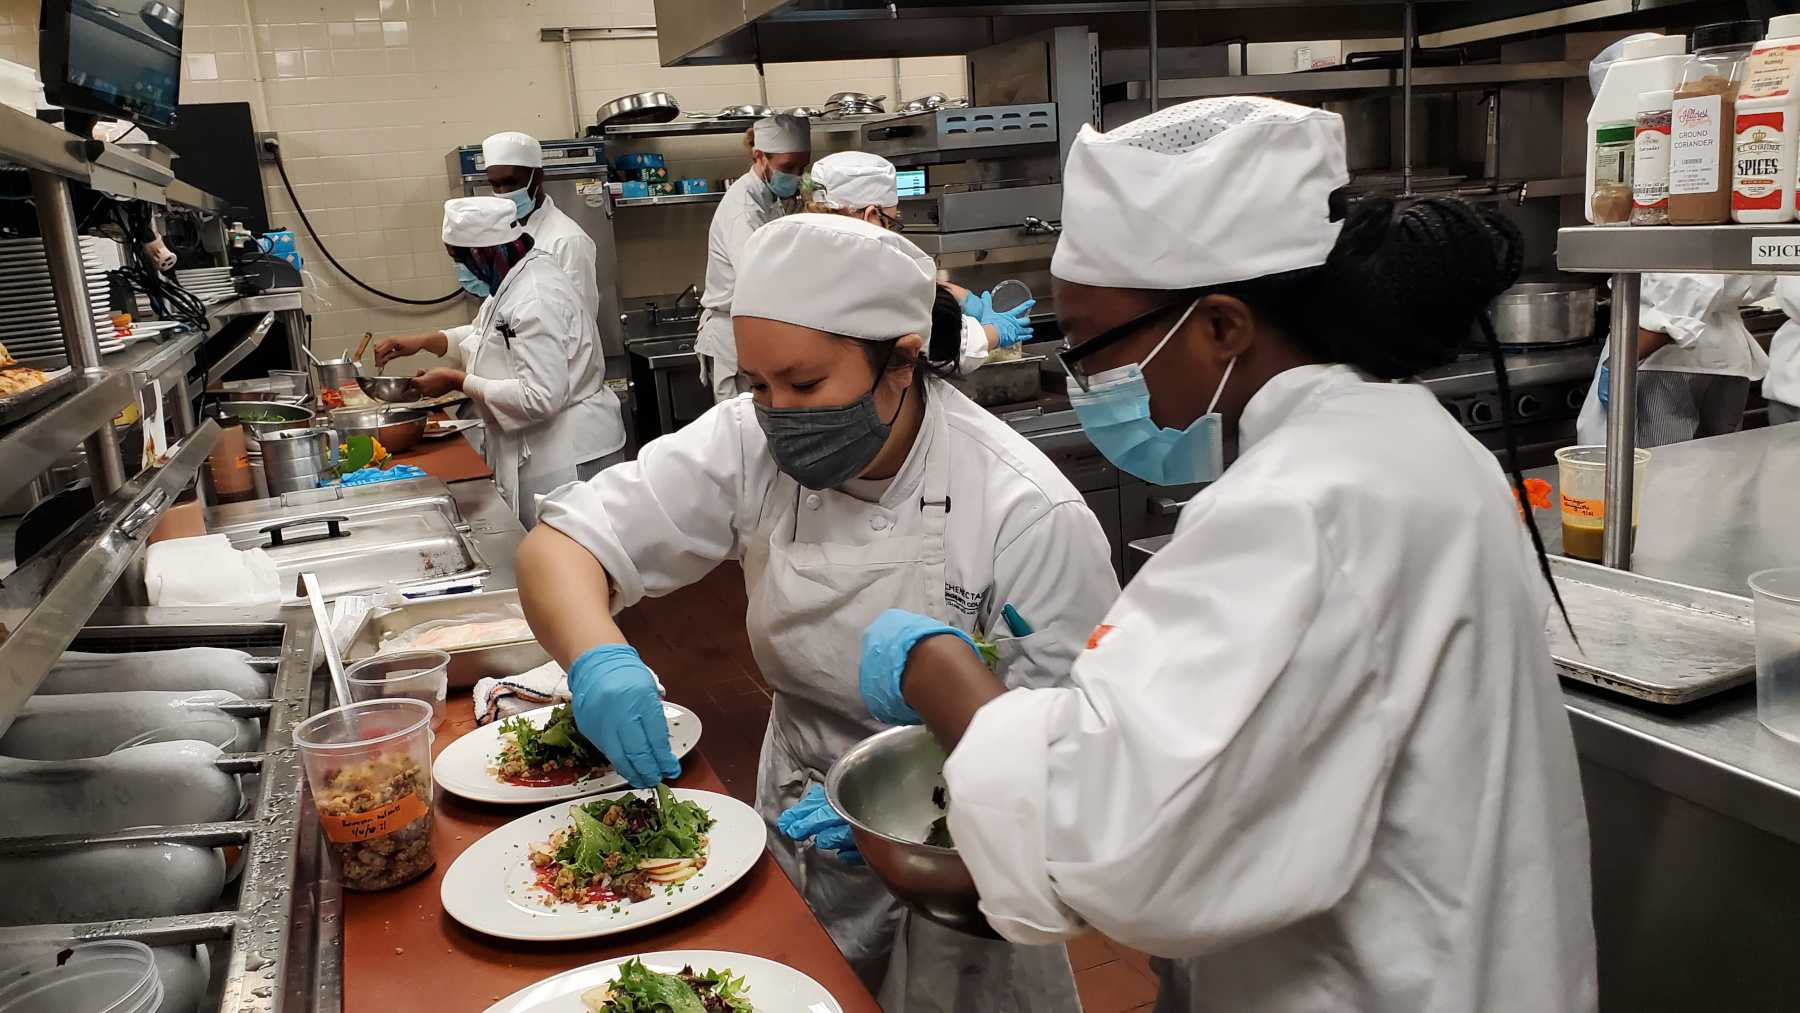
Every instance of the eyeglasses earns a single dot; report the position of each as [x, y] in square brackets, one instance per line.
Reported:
[1070, 356]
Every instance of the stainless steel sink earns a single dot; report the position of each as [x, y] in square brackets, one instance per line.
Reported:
[397, 534]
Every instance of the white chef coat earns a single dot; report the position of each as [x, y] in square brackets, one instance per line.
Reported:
[1783, 381]
[747, 206]
[1699, 312]
[1317, 752]
[557, 235]
[974, 352]
[975, 519]
[537, 377]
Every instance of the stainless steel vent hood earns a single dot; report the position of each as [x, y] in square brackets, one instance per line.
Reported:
[698, 32]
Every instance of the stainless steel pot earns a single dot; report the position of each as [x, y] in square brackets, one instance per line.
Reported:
[805, 112]
[738, 112]
[299, 459]
[643, 107]
[290, 417]
[335, 373]
[1545, 313]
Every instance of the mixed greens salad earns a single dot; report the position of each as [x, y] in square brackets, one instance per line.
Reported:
[641, 990]
[621, 847]
[555, 754]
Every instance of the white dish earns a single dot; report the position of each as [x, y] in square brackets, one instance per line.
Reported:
[437, 429]
[462, 768]
[492, 887]
[773, 987]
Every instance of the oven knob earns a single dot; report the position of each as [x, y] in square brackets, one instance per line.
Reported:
[1481, 413]
[1576, 397]
[1527, 405]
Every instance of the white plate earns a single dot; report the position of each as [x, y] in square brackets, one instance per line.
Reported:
[462, 768]
[773, 987]
[437, 429]
[492, 887]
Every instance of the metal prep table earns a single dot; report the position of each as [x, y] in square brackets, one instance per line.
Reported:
[1694, 811]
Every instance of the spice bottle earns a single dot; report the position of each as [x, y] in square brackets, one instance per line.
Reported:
[1650, 159]
[1649, 63]
[229, 462]
[1700, 139]
[1768, 107]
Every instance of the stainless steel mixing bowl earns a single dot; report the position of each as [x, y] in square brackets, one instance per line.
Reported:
[392, 389]
[883, 786]
[397, 429]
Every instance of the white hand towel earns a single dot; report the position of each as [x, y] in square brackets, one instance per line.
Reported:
[502, 698]
[206, 570]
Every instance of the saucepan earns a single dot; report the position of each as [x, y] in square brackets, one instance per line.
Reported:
[1545, 313]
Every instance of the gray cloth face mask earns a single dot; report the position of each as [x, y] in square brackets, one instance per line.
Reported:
[822, 448]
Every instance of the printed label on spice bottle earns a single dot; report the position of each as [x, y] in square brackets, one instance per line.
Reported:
[1769, 73]
[374, 823]
[1756, 162]
[1650, 167]
[1694, 137]
[1583, 507]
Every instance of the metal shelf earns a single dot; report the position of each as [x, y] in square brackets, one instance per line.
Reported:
[674, 198]
[46, 601]
[678, 128]
[28, 141]
[1365, 80]
[244, 347]
[1694, 249]
[33, 445]
[938, 244]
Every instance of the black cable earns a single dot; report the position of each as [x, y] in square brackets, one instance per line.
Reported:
[358, 282]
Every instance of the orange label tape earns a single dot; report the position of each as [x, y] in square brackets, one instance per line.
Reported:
[1583, 507]
[374, 823]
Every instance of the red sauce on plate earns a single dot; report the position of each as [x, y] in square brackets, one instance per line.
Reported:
[549, 779]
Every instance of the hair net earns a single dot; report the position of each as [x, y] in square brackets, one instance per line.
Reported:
[481, 221]
[512, 148]
[836, 274]
[855, 180]
[1609, 56]
[1204, 193]
[782, 135]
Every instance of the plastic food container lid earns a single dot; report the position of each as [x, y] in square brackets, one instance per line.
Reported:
[1658, 45]
[1656, 101]
[1727, 33]
[115, 976]
[1784, 26]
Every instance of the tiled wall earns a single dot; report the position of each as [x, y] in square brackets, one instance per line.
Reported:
[369, 95]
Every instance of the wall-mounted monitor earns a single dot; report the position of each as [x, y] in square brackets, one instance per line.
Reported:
[912, 182]
[120, 60]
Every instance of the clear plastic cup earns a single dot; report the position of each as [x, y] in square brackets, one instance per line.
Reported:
[111, 976]
[1777, 596]
[1581, 484]
[422, 674]
[369, 766]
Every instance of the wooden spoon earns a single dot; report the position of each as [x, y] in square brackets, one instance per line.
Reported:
[363, 347]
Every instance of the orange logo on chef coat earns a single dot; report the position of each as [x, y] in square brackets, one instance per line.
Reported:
[1098, 635]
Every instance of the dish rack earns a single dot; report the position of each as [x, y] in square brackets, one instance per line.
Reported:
[277, 928]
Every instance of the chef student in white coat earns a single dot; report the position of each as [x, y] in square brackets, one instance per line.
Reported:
[1315, 757]
[1781, 388]
[780, 148]
[515, 169]
[850, 482]
[532, 363]
[866, 186]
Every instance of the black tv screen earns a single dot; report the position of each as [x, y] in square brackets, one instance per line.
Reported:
[120, 59]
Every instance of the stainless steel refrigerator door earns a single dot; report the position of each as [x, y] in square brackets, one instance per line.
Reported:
[589, 210]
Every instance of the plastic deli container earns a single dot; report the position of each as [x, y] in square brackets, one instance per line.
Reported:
[422, 674]
[114, 976]
[1581, 481]
[1777, 595]
[369, 765]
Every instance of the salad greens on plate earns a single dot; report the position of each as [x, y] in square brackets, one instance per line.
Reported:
[641, 990]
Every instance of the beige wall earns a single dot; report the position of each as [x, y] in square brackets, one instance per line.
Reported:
[369, 95]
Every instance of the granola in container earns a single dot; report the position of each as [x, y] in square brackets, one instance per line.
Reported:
[369, 765]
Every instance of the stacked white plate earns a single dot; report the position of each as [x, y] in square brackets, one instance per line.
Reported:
[28, 323]
[209, 284]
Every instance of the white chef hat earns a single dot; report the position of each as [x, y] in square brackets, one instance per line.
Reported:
[1204, 193]
[855, 180]
[836, 274]
[782, 134]
[481, 221]
[509, 147]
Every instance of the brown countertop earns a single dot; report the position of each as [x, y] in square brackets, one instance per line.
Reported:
[402, 952]
[448, 459]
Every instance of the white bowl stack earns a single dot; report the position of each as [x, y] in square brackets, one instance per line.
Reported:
[29, 327]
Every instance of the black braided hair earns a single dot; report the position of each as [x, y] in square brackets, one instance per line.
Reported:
[1399, 294]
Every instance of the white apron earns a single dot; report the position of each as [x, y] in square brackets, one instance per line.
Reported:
[809, 604]
[716, 345]
[520, 476]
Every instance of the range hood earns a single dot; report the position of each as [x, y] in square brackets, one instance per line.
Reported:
[701, 32]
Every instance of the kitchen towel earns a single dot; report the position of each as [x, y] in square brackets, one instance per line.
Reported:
[502, 698]
[206, 570]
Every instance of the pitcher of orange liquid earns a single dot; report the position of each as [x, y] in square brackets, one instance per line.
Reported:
[1581, 483]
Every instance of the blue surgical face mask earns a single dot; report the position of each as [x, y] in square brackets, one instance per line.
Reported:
[521, 199]
[783, 184]
[1115, 413]
[471, 284]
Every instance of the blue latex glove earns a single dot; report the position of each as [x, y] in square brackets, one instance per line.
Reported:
[617, 707]
[976, 304]
[1605, 381]
[813, 817]
[884, 648]
[1012, 326]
